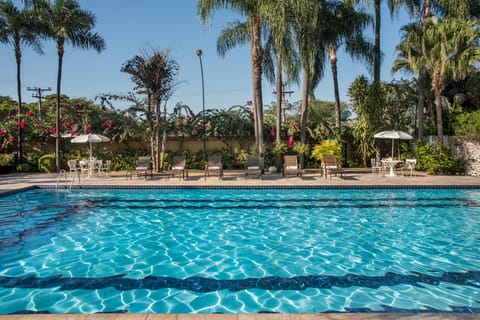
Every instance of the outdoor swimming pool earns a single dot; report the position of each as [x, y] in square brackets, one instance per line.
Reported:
[240, 250]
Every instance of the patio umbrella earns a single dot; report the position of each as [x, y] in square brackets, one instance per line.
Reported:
[90, 138]
[394, 135]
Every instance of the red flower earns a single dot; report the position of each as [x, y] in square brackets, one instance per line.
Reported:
[1, 132]
[22, 124]
[29, 113]
[290, 142]
[272, 132]
[11, 138]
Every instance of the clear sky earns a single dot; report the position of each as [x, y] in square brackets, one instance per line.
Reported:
[129, 27]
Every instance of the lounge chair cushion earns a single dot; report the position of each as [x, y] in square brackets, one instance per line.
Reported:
[177, 168]
[141, 168]
[214, 168]
[292, 167]
[331, 167]
[253, 168]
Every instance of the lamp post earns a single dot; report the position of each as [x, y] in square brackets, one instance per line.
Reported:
[199, 54]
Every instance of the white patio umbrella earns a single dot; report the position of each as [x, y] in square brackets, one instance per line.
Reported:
[394, 135]
[90, 138]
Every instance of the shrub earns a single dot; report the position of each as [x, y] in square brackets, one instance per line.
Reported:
[437, 159]
[327, 147]
[7, 162]
[23, 167]
[467, 125]
[46, 163]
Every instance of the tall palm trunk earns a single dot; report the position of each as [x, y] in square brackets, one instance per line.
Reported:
[156, 158]
[422, 79]
[279, 97]
[304, 111]
[60, 52]
[18, 57]
[377, 53]
[437, 86]
[257, 59]
[333, 64]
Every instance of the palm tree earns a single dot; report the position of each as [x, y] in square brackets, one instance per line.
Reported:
[452, 49]
[236, 35]
[410, 59]
[344, 25]
[67, 23]
[18, 28]
[280, 47]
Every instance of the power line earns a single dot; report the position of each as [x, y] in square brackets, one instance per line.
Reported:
[39, 95]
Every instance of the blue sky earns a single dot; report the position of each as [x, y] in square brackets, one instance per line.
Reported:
[129, 27]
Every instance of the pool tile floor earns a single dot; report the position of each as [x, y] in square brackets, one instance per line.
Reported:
[354, 177]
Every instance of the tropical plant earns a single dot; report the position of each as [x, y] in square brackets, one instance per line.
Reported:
[239, 34]
[19, 28]
[67, 23]
[451, 50]
[467, 125]
[154, 75]
[437, 159]
[327, 147]
[344, 25]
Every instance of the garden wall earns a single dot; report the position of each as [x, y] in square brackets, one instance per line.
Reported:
[470, 151]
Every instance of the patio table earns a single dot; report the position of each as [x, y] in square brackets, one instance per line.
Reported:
[391, 164]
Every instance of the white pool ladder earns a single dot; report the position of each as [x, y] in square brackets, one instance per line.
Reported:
[71, 178]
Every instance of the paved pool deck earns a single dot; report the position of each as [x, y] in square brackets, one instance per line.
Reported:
[352, 178]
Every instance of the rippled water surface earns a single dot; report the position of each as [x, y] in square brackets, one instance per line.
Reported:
[240, 251]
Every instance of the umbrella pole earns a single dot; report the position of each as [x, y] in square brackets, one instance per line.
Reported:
[90, 151]
[393, 145]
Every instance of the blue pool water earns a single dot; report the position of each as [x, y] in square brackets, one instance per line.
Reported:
[240, 251]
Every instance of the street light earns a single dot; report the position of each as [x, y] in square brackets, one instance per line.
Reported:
[199, 54]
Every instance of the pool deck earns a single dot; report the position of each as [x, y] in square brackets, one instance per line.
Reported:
[352, 178]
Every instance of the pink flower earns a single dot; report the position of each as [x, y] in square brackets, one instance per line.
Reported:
[290, 142]
[249, 102]
[11, 138]
[272, 132]
[29, 113]
[2, 132]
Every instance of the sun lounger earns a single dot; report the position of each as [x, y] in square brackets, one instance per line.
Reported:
[214, 166]
[178, 167]
[291, 166]
[254, 166]
[330, 166]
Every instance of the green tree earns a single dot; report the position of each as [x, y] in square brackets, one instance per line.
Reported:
[19, 28]
[344, 25]
[68, 23]
[451, 50]
[154, 75]
[238, 34]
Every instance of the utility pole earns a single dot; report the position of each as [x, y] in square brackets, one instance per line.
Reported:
[283, 99]
[39, 95]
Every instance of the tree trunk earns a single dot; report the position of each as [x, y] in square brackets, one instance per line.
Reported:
[18, 57]
[304, 111]
[377, 53]
[164, 136]
[437, 86]
[57, 107]
[279, 96]
[333, 63]
[421, 105]
[257, 60]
